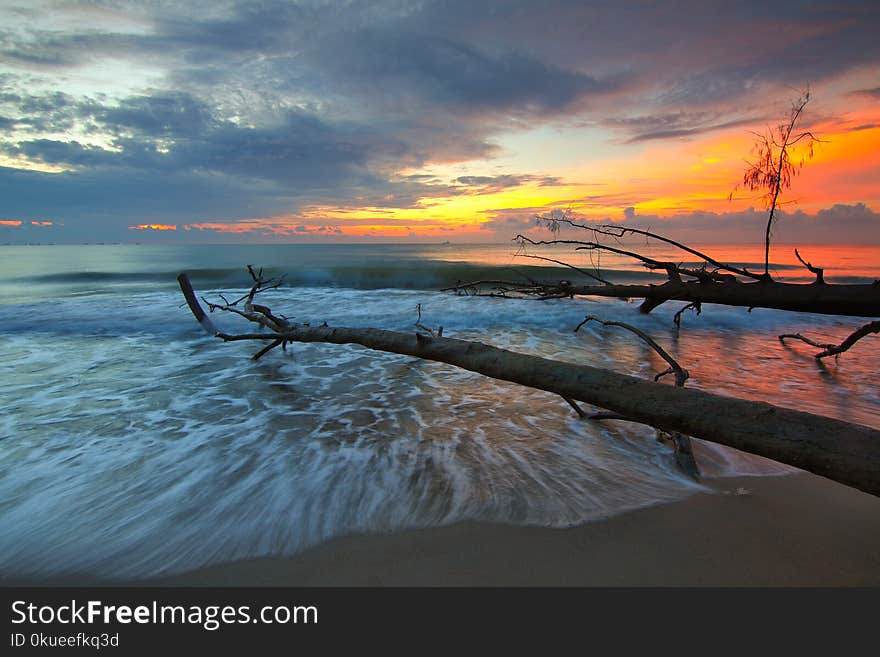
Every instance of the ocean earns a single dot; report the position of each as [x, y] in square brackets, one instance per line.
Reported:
[133, 445]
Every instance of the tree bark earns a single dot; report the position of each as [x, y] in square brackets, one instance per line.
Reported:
[851, 300]
[845, 452]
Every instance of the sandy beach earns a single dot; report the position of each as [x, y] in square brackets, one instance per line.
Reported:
[799, 530]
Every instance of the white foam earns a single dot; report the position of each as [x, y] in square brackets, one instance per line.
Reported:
[133, 445]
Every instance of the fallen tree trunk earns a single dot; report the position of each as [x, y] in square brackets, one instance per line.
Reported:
[851, 300]
[845, 452]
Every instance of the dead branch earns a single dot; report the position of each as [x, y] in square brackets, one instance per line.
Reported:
[861, 300]
[718, 285]
[695, 305]
[818, 271]
[673, 271]
[427, 329]
[595, 277]
[845, 452]
[835, 350]
[512, 290]
[577, 409]
[618, 232]
[684, 453]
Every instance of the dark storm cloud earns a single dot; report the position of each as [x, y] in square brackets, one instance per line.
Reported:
[161, 114]
[298, 148]
[428, 69]
[250, 27]
[101, 202]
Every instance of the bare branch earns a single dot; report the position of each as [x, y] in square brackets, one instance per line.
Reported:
[427, 329]
[269, 347]
[835, 350]
[621, 231]
[681, 374]
[595, 277]
[695, 305]
[818, 271]
[684, 454]
[577, 409]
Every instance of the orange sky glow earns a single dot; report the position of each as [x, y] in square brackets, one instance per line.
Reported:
[662, 179]
[401, 125]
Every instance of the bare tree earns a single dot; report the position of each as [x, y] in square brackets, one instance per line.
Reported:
[780, 154]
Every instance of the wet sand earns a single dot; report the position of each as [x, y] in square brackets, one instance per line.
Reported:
[799, 530]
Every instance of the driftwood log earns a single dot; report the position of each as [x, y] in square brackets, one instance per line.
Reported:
[850, 300]
[845, 452]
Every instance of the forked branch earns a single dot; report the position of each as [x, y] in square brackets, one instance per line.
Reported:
[829, 349]
[818, 271]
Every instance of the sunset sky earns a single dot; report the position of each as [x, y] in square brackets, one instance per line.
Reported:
[427, 121]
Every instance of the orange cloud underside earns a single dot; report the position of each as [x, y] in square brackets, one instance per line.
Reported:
[662, 179]
[16, 222]
[153, 227]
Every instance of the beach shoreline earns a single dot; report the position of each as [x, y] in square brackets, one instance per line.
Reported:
[796, 530]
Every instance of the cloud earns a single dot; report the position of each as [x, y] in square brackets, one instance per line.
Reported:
[493, 184]
[425, 69]
[162, 114]
[218, 111]
[872, 93]
[839, 224]
[668, 126]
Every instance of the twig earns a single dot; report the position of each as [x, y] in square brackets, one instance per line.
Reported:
[577, 409]
[426, 328]
[269, 347]
[696, 305]
[595, 277]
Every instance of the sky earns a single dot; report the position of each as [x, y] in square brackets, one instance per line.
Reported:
[429, 121]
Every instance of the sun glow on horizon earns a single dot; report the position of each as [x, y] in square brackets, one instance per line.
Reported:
[662, 179]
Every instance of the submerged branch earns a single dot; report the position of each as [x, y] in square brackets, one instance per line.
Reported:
[829, 349]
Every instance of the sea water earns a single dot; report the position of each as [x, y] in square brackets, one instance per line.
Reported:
[132, 444]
